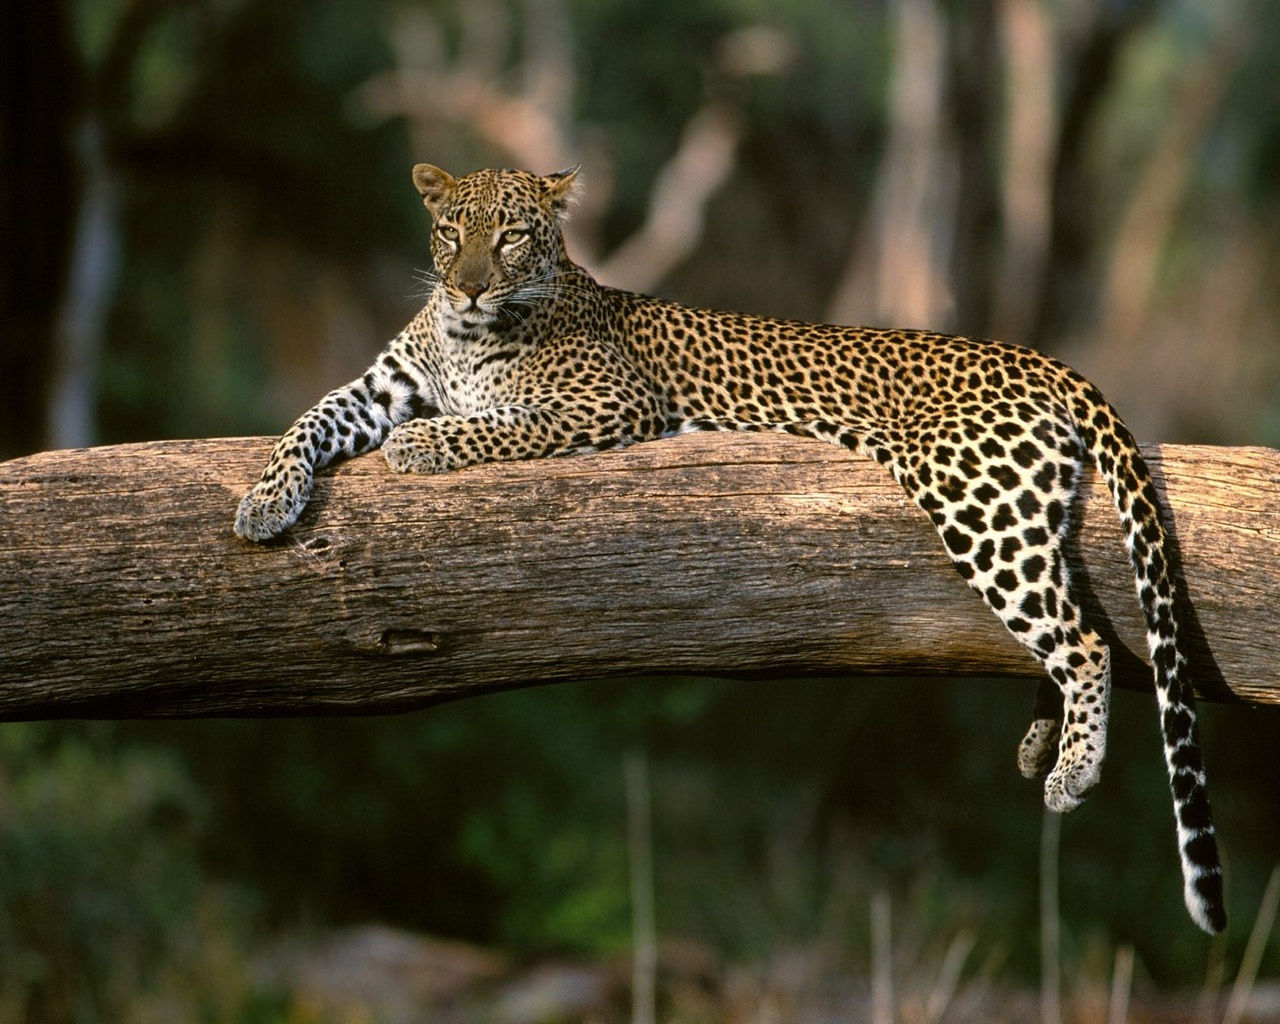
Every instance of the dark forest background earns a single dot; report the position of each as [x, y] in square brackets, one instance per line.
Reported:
[208, 221]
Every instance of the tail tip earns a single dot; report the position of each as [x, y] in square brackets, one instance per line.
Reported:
[1206, 908]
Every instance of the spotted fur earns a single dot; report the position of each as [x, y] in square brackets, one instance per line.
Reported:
[520, 354]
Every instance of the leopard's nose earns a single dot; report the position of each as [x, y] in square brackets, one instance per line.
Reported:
[473, 289]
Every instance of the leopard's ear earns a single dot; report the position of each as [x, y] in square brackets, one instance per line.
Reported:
[562, 190]
[435, 185]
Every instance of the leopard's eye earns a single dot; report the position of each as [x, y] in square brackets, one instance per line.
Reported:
[512, 237]
[448, 233]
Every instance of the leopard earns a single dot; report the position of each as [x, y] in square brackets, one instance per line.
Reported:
[519, 353]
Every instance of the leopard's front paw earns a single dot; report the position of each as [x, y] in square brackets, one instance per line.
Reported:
[270, 509]
[413, 447]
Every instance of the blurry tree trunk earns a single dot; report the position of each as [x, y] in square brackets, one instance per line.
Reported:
[936, 245]
[644, 930]
[898, 272]
[975, 110]
[1129, 286]
[81, 329]
[40, 92]
[1030, 74]
[1121, 986]
[1050, 919]
[884, 1008]
[944, 989]
[1089, 59]
[123, 591]
[91, 129]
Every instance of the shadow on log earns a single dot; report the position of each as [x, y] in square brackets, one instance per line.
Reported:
[124, 593]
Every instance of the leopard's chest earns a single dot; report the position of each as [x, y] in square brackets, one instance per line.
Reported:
[474, 375]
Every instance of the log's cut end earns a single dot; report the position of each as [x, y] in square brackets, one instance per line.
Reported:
[124, 592]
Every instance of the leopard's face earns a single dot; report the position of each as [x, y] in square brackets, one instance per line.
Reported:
[495, 237]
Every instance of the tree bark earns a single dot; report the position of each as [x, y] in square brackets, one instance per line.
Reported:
[124, 593]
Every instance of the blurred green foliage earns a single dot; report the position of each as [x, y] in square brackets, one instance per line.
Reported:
[779, 809]
[142, 862]
[105, 910]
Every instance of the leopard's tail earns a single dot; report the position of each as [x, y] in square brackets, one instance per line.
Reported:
[1115, 453]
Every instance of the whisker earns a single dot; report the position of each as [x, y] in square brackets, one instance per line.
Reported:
[427, 280]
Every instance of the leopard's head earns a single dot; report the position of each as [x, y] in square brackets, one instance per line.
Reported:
[495, 236]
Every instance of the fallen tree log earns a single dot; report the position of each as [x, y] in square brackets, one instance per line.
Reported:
[124, 593]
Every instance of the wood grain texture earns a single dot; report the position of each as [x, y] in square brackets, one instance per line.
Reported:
[123, 591]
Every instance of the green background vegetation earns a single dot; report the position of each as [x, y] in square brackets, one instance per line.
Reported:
[258, 240]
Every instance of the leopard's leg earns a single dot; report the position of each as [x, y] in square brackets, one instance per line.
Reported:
[348, 421]
[1033, 596]
[607, 405]
[1002, 505]
[445, 443]
[1081, 666]
[1039, 747]
[551, 424]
